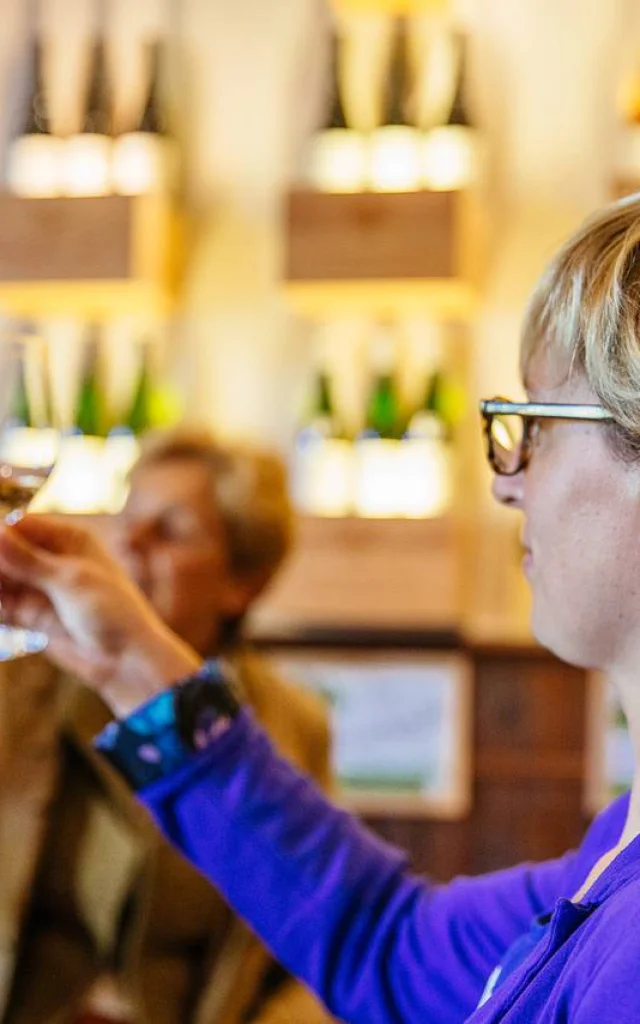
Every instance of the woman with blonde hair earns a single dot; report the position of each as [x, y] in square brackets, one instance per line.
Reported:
[558, 941]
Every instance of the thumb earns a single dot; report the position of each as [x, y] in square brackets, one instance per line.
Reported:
[23, 562]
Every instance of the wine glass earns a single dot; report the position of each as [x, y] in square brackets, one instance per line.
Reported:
[28, 448]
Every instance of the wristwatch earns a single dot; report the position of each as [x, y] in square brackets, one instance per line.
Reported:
[168, 730]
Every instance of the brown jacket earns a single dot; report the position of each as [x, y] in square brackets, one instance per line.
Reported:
[109, 894]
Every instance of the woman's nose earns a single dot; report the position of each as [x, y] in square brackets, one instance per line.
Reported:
[509, 490]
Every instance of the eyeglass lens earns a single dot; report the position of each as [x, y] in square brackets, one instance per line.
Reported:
[506, 436]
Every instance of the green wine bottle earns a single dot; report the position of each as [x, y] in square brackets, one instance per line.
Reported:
[441, 410]
[323, 420]
[383, 414]
[89, 417]
[139, 418]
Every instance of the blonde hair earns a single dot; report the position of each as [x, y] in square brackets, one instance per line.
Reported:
[250, 493]
[585, 312]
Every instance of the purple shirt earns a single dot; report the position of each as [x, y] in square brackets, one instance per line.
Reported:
[340, 909]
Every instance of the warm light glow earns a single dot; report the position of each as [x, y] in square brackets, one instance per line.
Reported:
[425, 484]
[395, 159]
[120, 453]
[337, 161]
[450, 158]
[80, 482]
[140, 164]
[28, 447]
[377, 479]
[402, 479]
[87, 165]
[35, 166]
[323, 477]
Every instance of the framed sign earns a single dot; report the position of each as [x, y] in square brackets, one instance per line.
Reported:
[609, 753]
[401, 727]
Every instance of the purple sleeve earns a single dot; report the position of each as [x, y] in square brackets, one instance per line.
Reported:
[336, 905]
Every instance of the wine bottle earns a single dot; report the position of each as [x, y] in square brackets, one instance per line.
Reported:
[434, 60]
[451, 151]
[321, 472]
[89, 153]
[97, 116]
[323, 420]
[37, 121]
[442, 408]
[89, 416]
[34, 160]
[144, 159]
[139, 417]
[337, 154]
[428, 421]
[426, 478]
[396, 145]
[153, 118]
[383, 413]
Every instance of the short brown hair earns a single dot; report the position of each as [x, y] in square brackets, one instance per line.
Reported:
[250, 492]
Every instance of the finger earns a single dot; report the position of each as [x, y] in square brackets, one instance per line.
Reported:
[30, 610]
[56, 534]
[23, 562]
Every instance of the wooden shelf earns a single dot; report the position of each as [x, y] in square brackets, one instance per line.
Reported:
[382, 253]
[443, 299]
[89, 257]
[368, 573]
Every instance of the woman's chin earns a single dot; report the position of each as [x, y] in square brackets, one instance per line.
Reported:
[547, 631]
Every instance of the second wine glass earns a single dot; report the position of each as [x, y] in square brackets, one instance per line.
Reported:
[28, 447]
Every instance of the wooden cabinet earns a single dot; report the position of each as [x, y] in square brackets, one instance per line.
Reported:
[382, 254]
[88, 257]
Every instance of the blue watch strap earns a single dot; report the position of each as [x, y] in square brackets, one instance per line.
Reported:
[166, 731]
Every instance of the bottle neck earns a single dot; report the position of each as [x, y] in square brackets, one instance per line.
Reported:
[37, 121]
[97, 119]
[138, 420]
[459, 114]
[324, 400]
[89, 413]
[397, 87]
[337, 119]
[153, 121]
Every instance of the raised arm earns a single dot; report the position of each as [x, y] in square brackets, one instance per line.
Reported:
[336, 905]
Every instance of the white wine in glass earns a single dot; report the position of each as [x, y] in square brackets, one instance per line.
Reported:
[28, 447]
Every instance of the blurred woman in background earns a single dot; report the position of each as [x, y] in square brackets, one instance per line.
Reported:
[205, 529]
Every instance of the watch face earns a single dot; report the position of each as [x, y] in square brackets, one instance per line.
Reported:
[163, 733]
[205, 705]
